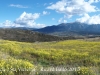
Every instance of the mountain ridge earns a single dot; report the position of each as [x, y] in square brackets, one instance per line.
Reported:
[75, 27]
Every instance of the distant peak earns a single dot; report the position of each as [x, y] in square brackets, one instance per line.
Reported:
[62, 23]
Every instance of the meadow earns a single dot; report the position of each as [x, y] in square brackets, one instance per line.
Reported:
[16, 56]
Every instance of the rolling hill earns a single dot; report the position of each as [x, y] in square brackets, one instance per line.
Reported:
[24, 35]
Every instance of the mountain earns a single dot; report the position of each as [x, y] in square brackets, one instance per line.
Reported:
[23, 35]
[75, 28]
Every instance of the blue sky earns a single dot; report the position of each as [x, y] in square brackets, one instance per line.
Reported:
[41, 13]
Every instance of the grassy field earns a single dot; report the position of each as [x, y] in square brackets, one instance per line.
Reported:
[70, 53]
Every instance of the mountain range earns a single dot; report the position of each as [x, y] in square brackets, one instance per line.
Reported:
[75, 28]
[62, 31]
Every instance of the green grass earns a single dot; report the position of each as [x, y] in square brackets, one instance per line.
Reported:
[76, 53]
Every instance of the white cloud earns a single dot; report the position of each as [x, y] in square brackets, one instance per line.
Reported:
[39, 25]
[67, 16]
[8, 23]
[74, 7]
[28, 20]
[93, 1]
[84, 19]
[28, 16]
[89, 19]
[18, 6]
[25, 20]
[65, 21]
[45, 12]
[62, 20]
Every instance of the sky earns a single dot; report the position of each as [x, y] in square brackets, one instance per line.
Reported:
[42, 13]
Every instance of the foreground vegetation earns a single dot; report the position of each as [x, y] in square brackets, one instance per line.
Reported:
[70, 53]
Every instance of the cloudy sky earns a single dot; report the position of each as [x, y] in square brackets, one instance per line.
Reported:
[41, 13]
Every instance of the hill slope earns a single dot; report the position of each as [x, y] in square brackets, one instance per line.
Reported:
[67, 54]
[26, 35]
